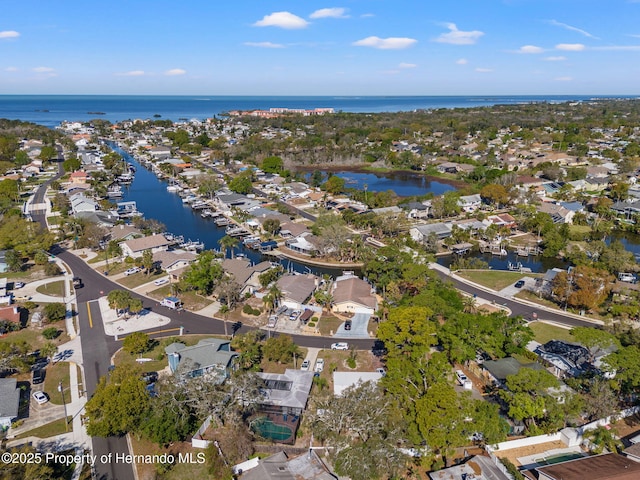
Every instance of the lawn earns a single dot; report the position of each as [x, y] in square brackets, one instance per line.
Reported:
[494, 279]
[33, 337]
[191, 300]
[48, 430]
[329, 325]
[54, 289]
[544, 332]
[56, 373]
[274, 367]
[137, 279]
[141, 446]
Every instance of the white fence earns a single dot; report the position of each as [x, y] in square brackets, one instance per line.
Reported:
[197, 441]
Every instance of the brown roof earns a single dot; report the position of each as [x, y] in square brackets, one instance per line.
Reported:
[610, 466]
[144, 243]
[297, 287]
[353, 290]
[10, 313]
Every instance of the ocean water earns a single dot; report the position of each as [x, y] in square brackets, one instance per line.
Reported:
[51, 110]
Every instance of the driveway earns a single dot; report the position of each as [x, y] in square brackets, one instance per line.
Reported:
[359, 327]
[511, 290]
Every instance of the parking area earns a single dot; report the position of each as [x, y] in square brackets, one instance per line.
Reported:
[359, 327]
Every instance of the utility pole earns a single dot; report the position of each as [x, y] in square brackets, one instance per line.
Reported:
[61, 390]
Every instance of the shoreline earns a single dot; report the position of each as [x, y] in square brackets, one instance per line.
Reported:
[316, 263]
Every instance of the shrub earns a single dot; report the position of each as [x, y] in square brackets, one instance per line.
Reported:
[55, 311]
[50, 333]
[314, 319]
[351, 362]
[312, 324]
[8, 326]
[249, 310]
[52, 269]
[41, 258]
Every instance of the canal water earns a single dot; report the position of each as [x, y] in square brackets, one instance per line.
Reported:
[155, 202]
[537, 263]
[402, 183]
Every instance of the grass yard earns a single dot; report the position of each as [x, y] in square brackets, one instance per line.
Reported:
[191, 300]
[533, 298]
[274, 367]
[48, 430]
[137, 279]
[178, 471]
[54, 289]
[328, 325]
[33, 337]
[56, 373]
[545, 332]
[494, 279]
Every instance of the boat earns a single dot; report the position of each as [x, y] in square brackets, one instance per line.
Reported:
[189, 198]
[235, 231]
[174, 187]
[222, 221]
[192, 245]
[199, 205]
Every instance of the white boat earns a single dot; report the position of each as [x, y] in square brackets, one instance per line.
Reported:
[222, 221]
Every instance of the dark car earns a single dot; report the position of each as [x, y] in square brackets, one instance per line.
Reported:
[519, 284]
[77, 282]
[347, 325]
[37, 376]
[149, 377]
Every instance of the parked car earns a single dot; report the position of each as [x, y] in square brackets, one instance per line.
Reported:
[382, 371]
[319, 365]
[40, 397]
[519, 284]
[161, 281]
[149, 377]
[273, 319]
[347, 325]
[17, 285]
[37, 376]
[340, 346]
[294, 315]
[305, 365]
[131, 271]
[77, 282]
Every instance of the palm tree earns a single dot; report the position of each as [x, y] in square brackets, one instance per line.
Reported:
[469, 304]
[228, 242]
[276, 295]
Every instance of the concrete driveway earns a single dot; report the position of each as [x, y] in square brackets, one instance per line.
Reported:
[511, 290]
[359, 327]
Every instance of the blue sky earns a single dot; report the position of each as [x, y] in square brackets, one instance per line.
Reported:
[351, 47]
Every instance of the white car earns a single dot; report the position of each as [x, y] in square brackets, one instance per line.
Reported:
[340, 346]
[319, 365]
[131, 271]
[305, 365]
[161, 281]
[40, 397]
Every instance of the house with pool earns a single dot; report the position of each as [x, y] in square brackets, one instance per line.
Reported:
[285, 398]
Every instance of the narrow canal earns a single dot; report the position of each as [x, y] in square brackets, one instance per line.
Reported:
[152, 198]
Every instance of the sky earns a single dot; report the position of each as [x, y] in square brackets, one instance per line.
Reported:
[308, 47]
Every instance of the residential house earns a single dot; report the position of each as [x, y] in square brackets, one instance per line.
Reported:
[503, 220]
[78, 177]
[476, 468]
[451, 167]
[421, 233]
[609, 466]
[392, 211]
[499, 370]
[633, 452]
[285, 393]
[160, 152]
[80, 203]
[292, 229]
[344, 380]
[353, 295]
[559, 214]
[170, 261]
[135, 248]
[121, 233]
[470, 203]
[9, 402]
[296, 289]
[244, 273]
[418, 210]
[304, 243]
[212, 357]
[307, 466]
[12, 313]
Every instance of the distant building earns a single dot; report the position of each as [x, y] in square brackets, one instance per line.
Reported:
[211, 356]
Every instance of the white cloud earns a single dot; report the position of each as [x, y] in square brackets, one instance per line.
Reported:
[9, 34]
[459, 37]
[573, 29]
[11, 69]
[175, 71]
[407, 65]
[264, 44]
[391, 43]
[530, 49]
[558, 58]
[335, 12]
[44, 70]
[462, 61]
[285, 20]
[484, 70]
[570, 47]
[367, 15]
[132, 73]
[563, 79]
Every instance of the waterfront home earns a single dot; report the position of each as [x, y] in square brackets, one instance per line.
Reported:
[353, 295]
[421, 233]
[170, 261]
[9, 402]
[304, 243]
[502, 220]
[80, 203]
[121, 233]
[559, 214]
[160, 152]
[127, 209]
[78, 177]
[244, 273]
[212, 357]
[292, 229]
[297, 289]
[135, 248]
[417, 210]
